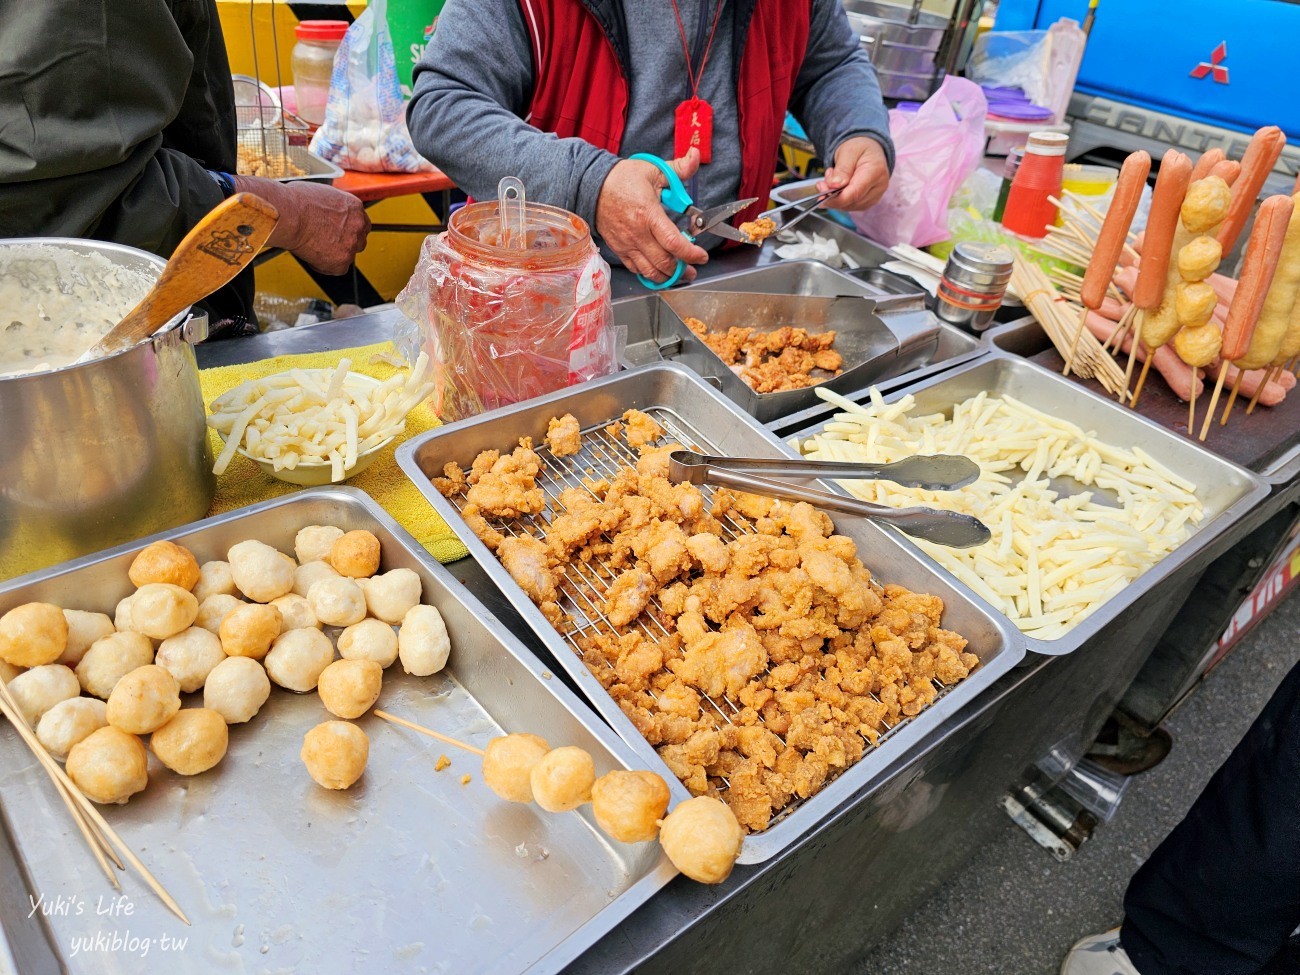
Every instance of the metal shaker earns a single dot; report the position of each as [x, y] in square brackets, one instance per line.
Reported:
[973, 285]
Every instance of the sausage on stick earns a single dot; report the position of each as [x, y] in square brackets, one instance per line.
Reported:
[1111, 240]
[1263, 252]
[1266, 342]
[1205, 165]
[1261, 156]
[1157, 250]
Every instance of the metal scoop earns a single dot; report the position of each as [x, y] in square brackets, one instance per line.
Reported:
[948, 528]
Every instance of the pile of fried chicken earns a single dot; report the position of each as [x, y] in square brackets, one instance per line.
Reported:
[745, 639]
[770, 362]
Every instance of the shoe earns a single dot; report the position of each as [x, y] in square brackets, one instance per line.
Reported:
[1098, 954]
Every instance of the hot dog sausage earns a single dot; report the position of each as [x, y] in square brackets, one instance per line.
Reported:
[1171, 186]
[1275, 316]
[1114, 228]
[1228, 171]
[1263, 251]
[1209, 159]
[1261, 155]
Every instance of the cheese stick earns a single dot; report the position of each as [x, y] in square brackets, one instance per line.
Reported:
[1263, 251]
[1261, 156]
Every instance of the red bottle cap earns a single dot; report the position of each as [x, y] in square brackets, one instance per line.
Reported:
[321, 30]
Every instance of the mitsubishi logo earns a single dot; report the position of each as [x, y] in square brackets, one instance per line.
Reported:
[1214, 66]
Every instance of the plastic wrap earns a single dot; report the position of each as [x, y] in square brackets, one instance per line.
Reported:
[506, 325]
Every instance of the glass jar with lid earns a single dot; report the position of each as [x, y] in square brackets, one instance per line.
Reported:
[313, 63]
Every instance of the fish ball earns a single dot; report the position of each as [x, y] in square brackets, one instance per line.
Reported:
[562, 779]
[33, 634]
[69, 722]
[261, 572]
[629, 805]
[1199, 258]
[249, 630]
[310, 573]
[83, 630]
[112, 658]
[1194, 303]
[214, 610]
[236, 689]
[298, 658]
[1206, 204]
[337, 602]
[109, 766]
[369, 640]
[335, 753]
[390, 596]
[144, 700]
[191, 742]
[122, 615]
[215, 579]
[702, 839]
[508, 764]
[355, 554]
[189, 656]
[164, 562]
[37, 690]
[295, 612]
[422, 642]
[315, 541]
[160, 610]
[350, 688]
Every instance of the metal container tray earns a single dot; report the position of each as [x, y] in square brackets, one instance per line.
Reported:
[693, 413]
[1227, 491]
[655, 334]
[1267, 442]
[407, 871]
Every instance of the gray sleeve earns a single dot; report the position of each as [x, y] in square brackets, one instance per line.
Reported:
[836, 94]
[472, 90]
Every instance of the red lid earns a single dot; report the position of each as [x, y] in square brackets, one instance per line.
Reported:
[321, 30]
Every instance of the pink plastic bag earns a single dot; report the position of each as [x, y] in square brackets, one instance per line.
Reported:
[936, 148]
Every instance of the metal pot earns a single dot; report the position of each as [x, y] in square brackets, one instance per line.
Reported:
[96, 454]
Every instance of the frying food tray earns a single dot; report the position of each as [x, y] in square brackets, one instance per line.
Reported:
[1227, 492]
[692, 413]
[408, 871]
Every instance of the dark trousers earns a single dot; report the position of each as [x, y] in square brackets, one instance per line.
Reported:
[1221, 894]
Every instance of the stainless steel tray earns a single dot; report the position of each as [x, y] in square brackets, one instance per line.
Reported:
[409, 871]
[1227, 491]
[1267, 442]
[695, 413]
[656, 334]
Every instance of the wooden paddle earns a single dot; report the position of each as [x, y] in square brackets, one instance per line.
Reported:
[219, 247]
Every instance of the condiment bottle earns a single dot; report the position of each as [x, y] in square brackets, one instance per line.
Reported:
[1029, 209]
[973, 285]
[312, 63]
[1009, 168]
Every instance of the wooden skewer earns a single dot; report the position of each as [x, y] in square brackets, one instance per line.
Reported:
[425, 731]
[92, 840]
[1214, 402]
[1293, 367]
[1074, 346]
[1191, 402]
[1132, 349]
[1142, 378]
[1120, 330]
[98, 820]
[1254, 400]
[1129, 236]
[1236, 388]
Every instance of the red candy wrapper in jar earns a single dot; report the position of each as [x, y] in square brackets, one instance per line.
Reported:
[505, 323]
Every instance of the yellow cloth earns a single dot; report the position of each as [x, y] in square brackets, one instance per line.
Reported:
[244, 483]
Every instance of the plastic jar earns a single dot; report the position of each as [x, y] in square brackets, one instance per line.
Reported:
[1029, 208]
[506, 323]
[312, 63]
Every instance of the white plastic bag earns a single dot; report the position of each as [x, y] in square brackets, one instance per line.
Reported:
[365, 117]
[935, 149]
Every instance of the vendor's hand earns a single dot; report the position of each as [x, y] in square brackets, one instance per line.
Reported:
[319, 225]
[632, 221]
[860, 173]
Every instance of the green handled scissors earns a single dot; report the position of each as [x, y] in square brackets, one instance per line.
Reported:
[690, 219]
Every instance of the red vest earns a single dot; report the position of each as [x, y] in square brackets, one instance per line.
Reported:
[580, 86]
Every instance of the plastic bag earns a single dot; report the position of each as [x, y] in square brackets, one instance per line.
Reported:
[935, 149]
[1013, 59]
[504, 326]
[365, 117]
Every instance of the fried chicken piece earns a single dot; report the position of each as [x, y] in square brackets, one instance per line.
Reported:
[636, 660]
[828, 359]
[482, 464]
[564, 435]
[748, 796]
[628, 596]
[718, 663]
[679, 699]
[452, 482]
[723, 596]
[508, 488]
[641, 429]
[758, 230]
[653, 461]
[710, 551]
[529, 563]
[485, 533]
[661, 547]
[583, 518]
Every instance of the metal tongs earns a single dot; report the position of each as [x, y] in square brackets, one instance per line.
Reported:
[938, 472]
[804, 206]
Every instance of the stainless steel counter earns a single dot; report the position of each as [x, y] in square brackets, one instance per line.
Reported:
[890, 845]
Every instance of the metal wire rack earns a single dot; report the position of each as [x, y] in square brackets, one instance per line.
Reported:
[583, 584]
[270, 141]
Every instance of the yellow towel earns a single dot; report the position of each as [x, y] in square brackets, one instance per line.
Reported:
[244, 483]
